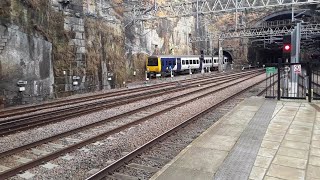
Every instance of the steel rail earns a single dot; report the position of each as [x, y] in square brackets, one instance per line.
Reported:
[131, 91]
[41, 160]
[6, 127]
[34, 108]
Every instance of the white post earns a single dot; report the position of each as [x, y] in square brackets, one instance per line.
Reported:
[147, 79]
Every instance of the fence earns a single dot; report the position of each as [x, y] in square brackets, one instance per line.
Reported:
[293, 80]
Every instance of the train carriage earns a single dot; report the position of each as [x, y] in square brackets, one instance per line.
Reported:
[207, 63]
[164, 64]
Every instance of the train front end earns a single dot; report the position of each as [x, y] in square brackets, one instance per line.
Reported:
[153, 66]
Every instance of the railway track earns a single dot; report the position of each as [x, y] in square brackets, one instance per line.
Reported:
[107, 127]
[33, 108]
[147, 159]
[14, 125]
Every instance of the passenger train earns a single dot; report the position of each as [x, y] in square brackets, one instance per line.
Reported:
[163, 64]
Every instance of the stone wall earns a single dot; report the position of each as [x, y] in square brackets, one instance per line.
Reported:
[87, 42]
[25, 58]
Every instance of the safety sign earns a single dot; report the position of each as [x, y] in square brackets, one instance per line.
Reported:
[297, 68]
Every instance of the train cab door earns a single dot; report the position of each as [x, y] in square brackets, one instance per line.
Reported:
[164, 64]
[178, 64]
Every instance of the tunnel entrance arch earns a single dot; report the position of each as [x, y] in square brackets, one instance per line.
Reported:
[227, 54]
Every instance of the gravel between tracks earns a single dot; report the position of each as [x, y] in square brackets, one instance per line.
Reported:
[129, 86]
[78, 104]
[25, 137]
[116, 146]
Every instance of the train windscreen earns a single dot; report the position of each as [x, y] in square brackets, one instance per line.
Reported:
[152, 61]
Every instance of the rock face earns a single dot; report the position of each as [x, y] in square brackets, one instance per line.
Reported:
[86, 50]
[25, 58]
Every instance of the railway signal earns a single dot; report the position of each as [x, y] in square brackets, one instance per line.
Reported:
[286, 47]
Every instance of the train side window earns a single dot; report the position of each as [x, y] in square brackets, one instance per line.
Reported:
[183, 62]
[187, 61]
[194, 62]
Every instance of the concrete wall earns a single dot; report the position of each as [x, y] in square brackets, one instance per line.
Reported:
[25, 58]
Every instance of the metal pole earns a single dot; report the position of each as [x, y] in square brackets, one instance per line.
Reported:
[220, 56]
[279, 65]
[236, 14]
[100, 13]
[197, 14]
[211, 46]
[309, 82]
[298, 39]
[187, 44]
[292, 13]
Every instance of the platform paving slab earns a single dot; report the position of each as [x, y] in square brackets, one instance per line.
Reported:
[285, 172]
[242, 157]
[285, 145]
[262, 161]
[295, 157]
[315, 152]
[202, 158]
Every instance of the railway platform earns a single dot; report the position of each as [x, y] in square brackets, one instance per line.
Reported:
[259, 139]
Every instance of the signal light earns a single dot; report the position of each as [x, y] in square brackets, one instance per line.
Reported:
[287, 47]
